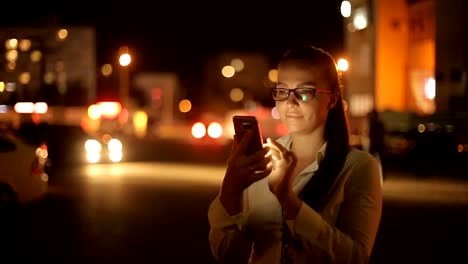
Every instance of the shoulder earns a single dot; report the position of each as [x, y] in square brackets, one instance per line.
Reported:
[361, 166]
[357, 157]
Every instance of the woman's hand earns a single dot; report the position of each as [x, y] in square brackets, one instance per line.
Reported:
[281, 178]
[282, 165]
[241, 172]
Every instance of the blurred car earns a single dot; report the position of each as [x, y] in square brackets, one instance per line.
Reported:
[23, 173]
[103, 148]
[71, 145]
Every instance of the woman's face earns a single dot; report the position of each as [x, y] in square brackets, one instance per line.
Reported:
[303, 117]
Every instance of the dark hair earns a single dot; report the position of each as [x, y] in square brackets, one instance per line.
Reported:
[336, 128]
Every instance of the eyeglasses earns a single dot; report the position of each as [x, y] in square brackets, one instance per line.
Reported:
[304, 94]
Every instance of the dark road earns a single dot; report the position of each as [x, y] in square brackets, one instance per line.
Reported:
[152, 212]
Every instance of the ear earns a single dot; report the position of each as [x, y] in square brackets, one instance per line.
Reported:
[333, 100]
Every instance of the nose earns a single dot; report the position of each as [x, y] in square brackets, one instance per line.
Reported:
[292, 99]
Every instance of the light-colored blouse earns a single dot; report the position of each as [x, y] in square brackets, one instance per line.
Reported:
[343, 232]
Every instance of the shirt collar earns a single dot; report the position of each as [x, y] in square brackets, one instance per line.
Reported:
[286, 141]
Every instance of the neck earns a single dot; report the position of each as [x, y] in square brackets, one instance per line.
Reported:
[306, 146]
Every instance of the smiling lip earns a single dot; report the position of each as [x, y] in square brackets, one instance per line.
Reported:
[293, 115]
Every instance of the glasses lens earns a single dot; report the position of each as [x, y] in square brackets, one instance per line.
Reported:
[280, 94]
[305, 94]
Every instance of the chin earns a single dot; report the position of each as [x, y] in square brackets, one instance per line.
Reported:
[295, 128]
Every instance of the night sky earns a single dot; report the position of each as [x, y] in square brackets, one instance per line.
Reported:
[179, 35]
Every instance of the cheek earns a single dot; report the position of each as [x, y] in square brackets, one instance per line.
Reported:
[281, 108]
[323, 112]
[319, 111]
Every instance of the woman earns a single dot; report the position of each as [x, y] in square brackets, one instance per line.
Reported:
[317, 200]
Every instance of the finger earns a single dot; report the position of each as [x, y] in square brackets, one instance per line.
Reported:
[275, 145]
[271, 165]
[234, 144]
[259, 156]
[260, 165]
[260, 175]
[280, 151]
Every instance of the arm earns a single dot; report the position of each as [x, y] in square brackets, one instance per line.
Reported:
[352, 239]
[226, 214]
[228, 237]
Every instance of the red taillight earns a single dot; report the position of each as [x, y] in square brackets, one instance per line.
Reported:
[36, 169]
[42, 152]
[38, 164]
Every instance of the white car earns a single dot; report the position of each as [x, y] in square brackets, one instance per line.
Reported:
[23, 174]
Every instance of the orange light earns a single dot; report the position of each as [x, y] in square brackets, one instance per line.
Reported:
[198, 130]
[110, 109]
[94, 112]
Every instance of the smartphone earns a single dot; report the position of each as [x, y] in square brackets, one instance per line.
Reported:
[243, 123]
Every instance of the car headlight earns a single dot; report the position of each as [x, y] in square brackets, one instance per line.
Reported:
[114, 145]
[93, 150]
[115, 150]
[92, 145]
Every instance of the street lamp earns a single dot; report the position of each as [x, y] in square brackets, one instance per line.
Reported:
[124, 60]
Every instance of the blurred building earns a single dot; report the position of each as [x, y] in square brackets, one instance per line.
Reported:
[161, 90]
[236, 80]
[53, 65]
[406, 56]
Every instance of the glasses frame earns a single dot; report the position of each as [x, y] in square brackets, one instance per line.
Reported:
[297, 95]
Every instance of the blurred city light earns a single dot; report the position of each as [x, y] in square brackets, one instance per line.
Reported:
[36, 56]
[360, 18]
[10, 87]
[62, 34]
[236, 94]
[11, 66]
[11, 55]
[185, 106]
[30, 107]
[273, 75]
[140, 123]
[421, 128]
[430, 88]
[2, 87]
[11, 44]
[343, 65]
[106, 70]
[345, 9]
[49, 77]
[198, 130]
[24, 78]
[125, 59]
[228, 71]
[40, 107]
[110, 109]
[24, 107]
[114, 145]
[25, 44]
[215, 130]
[238, 64]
